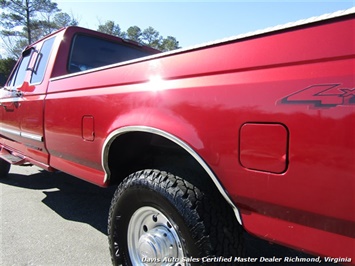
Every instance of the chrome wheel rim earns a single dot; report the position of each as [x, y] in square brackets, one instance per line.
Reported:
[153, 240]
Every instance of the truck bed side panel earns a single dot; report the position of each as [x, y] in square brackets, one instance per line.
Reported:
[302, 82]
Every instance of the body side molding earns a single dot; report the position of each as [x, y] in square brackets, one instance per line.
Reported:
[19, 133]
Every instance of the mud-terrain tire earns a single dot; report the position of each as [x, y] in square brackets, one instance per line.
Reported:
[4, 168]
[156, 216]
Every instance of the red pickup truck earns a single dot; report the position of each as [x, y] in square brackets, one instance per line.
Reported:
[253, 132]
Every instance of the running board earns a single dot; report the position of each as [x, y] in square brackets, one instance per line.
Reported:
[11, 158]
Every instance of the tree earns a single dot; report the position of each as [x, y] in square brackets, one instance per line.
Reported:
[25, 21]
[111, 28]
[168, 44]
[6, 65]
[13, 44]
[151, 37]
[55, 22]
[62, 20]
[134, 33]
[23, 13]
[148, 36]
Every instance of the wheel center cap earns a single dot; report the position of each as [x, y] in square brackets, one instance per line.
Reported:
[156, 244]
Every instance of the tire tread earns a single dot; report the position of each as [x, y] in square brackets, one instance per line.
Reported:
[210, 220]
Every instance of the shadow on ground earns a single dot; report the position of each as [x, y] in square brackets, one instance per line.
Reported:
[70, 197]
[77, 200]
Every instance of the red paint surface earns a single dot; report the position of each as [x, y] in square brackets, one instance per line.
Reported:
[299, 183]
[263, 147]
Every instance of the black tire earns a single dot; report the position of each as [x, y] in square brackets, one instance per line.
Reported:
[196, 225]
[4, 168]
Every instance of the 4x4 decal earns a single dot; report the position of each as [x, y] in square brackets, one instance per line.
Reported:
[322, 96]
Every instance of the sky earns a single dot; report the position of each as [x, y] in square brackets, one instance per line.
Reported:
[197, 22]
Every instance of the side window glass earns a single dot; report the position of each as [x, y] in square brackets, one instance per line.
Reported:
[42, 61]
[89, 52]
[11, 78]
[20, 74]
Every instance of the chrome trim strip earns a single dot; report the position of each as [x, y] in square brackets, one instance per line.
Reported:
[30, 136]
[18, 133]
[10, 131]
[113, 135]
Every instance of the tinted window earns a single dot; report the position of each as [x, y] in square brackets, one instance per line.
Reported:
[91, 52]
[42, 61]
[20, 73]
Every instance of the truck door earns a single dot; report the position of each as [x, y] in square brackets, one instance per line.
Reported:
[31, 112]
[23, 111]
[10, 100]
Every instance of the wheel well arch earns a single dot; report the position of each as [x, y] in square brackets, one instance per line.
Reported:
[133, 148]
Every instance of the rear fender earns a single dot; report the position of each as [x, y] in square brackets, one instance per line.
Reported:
[155, 131]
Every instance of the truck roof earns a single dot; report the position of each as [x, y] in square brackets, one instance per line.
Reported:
[97, 33]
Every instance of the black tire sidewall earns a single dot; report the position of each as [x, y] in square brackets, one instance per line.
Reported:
[4, 168]
[140, 193]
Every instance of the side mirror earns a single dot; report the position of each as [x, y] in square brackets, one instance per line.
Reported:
[10, 93]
